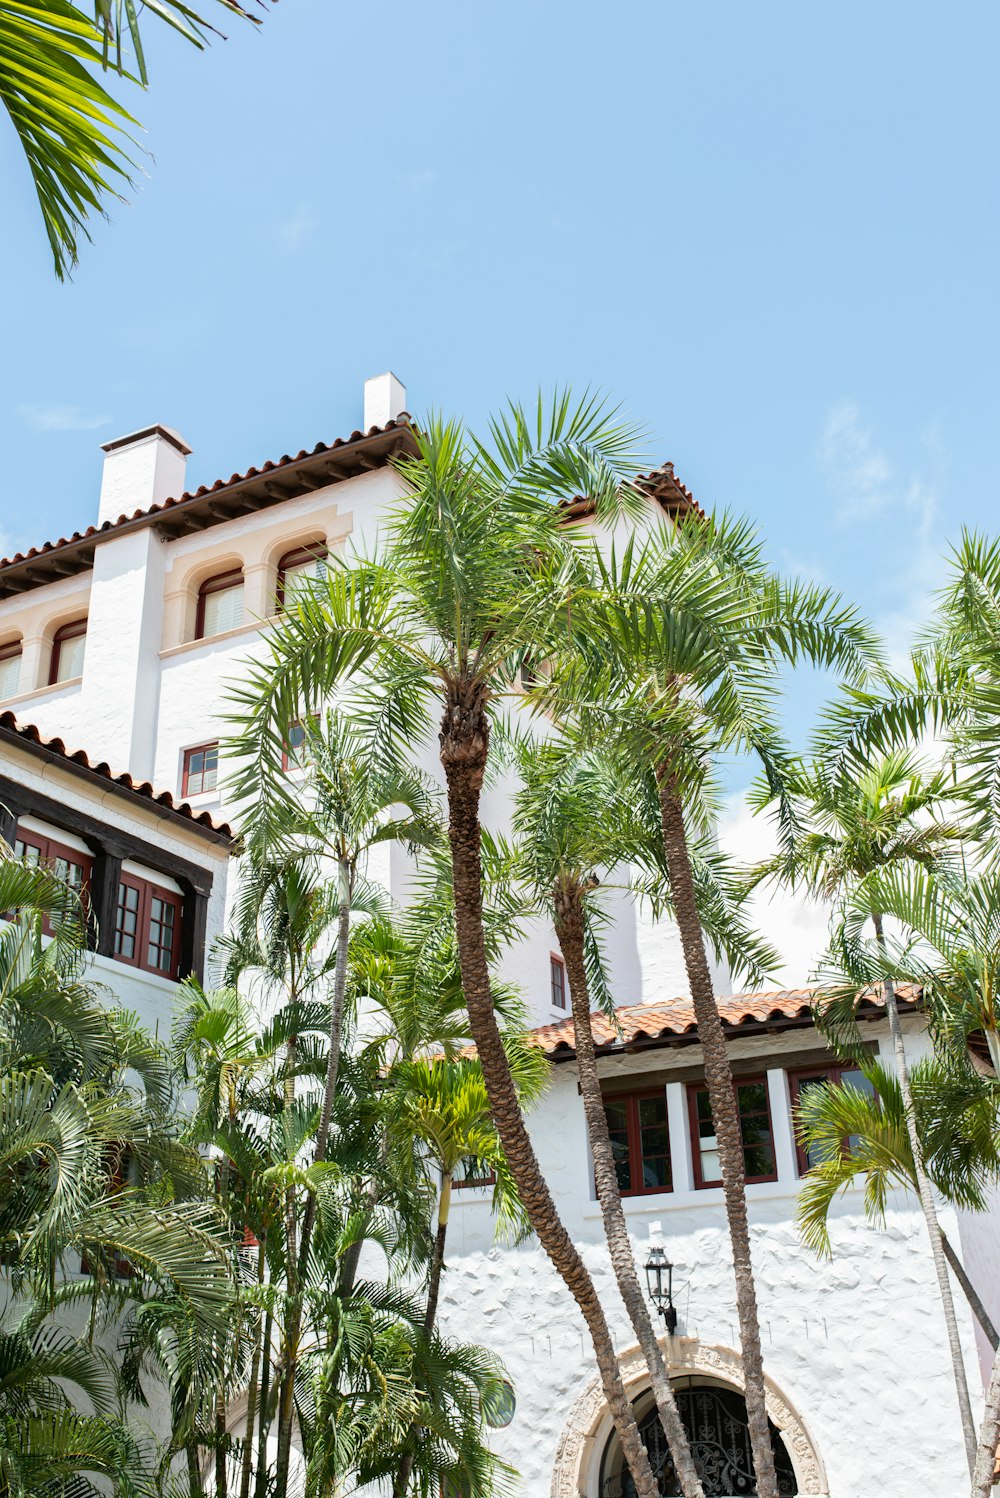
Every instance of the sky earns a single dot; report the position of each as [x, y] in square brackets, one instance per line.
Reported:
[770, 231]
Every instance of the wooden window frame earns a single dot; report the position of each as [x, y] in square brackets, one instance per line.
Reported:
[634, 1132]
[50, 849]
[186, 772]
[71, 631]
[489, 1179]
[834, 1073]
[316, 551]
[288, 761]
[557, 965]
[148, 891]
[758, 1080]
[220, 583]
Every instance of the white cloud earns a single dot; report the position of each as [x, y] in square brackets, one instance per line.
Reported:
[54, 418]
[294, 231]
[795, 926]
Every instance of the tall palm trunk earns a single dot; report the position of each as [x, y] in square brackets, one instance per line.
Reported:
[569, 925]
[725, 1116]
[929, 1210]
[252, 1390]
[971, 1293]
[464, 744]
[260, 1483]
[989, 1438]
[344, 876]
[430, 1312]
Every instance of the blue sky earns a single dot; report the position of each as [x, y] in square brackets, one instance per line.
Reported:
[770, 230]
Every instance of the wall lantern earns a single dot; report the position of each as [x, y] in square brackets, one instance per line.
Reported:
[660, 1280]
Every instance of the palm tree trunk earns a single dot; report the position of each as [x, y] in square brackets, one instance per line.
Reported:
[193, 1471]
[255, 1358]
[221, 1444]
[336, 1010]
[970, 1292]
[929, 1210]
[292, 1330]
[260, 1484]
[725, 1116]
[989, 1438]
[569, 924]
[402, 1481]
[464, 743]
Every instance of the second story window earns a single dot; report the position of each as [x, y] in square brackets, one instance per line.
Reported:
[201, 770]
[759, 1159]
[220, 605]
[68, 646]
[557, 981]
[148, 926]
[297, 570]
[802, 1082]
[10, 669]
[640, 1141]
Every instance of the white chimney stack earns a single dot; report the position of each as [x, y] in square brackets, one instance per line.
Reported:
[141, 470]
[385, 399]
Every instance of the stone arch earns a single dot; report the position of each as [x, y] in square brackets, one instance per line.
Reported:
[586, 1432]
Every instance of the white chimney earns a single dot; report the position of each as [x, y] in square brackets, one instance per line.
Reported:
[141, 470]
[385, 398]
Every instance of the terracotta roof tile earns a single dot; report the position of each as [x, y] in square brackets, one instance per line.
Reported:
[640, 1025]
[661, 484]
[29, 736]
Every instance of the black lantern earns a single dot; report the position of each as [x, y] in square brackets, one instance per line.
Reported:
[660, 1279]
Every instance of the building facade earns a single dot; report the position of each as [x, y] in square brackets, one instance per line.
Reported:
[125, 638]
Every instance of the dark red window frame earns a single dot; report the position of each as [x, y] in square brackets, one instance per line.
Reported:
[633, 1140]
[289, 760]
[218, 584]
[833, 1074]
[486, 1178]
[738, 1082]
[147, 921]
[50, 850]
[187, 776]
[71, 631]
[12, 651]
[315, 552]
[558, 987]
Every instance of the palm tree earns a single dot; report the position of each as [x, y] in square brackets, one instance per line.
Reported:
[956, 1124]
[950, 947]
[675, 660]
[74, 132]
[475, 575]
[850, 827]
[443, 1105]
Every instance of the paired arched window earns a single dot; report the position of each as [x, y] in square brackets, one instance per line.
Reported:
[297, 570]
[220, 604]
[10, 669]
[68, 645]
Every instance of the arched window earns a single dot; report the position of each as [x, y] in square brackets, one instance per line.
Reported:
[220, 604]
[68, 645]
[297, 569]
[715, 1419]
[10, 669]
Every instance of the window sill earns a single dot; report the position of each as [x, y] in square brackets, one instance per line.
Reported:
[36, 693]
[254, 627]
[111, 965]
[707, 1196]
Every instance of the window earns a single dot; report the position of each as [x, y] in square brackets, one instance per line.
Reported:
[148, 926]
[473, 1172]
[801, 1082]
[557, 981]
[72, 867]
[292, 756]
[201, 770]
[297, 569]
[67, 651]
[755, 1127]
[640, 1141]
[10, 669]
[220, 605]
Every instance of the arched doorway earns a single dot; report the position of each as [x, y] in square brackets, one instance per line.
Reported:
[715, 1418]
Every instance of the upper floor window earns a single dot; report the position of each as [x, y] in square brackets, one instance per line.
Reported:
[201, 770]
[10, 669]
[297, 570]
[829, 1076]
[557, 981]
[759, 1161]
[220, 605]
[148, 926]
[68, 646]
[640, 1141]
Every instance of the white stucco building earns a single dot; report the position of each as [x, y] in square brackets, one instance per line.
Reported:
[123, 637]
